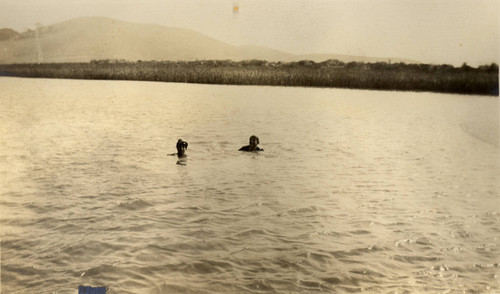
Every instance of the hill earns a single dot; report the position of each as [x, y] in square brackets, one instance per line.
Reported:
[98, 38]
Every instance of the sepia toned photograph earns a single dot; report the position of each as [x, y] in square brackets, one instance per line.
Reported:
[249, 146]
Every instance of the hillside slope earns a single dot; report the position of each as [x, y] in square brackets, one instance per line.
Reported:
[96, 38]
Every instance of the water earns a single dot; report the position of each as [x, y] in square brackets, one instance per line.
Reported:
[356, 191]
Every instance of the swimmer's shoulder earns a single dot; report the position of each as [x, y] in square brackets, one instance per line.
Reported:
[246, 148]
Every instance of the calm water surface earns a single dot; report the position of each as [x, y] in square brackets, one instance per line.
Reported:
[356, 191]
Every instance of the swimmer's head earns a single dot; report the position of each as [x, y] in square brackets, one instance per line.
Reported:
[254, 141]
[181, 147]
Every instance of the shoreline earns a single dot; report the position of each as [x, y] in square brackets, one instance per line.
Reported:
[328, 74]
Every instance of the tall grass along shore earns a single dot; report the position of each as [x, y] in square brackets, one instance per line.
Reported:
[482, 80]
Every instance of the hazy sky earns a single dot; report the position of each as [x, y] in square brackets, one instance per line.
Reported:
[435, 31]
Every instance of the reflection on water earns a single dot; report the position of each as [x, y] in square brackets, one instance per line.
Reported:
[357, 191]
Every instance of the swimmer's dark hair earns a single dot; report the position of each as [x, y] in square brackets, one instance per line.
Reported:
[255, 138]
[181, 144]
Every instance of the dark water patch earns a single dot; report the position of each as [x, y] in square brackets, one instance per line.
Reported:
[201, 267]
[91, 197]
[109, 271]
[84, 217]
[171, 220]
[348, 280]
[332, 280]
[103, 196]
[423, 241]
[201, 233]
[252, 232]
[494, 229]
[320, 258]
[479, 267]
[488, 223]
[295, 265]
[401, 290]
[129, 286]
[248, 266]
[280, 284]
[58, 261]
[193, 208]
[305, 210]
[19, 244]
[356, 252]
[114, 228]
[138, 228]
[200, 220]
[31, 279]
[462, 234]
[369, 273]
[360, 232]
[415, 259]
[310, 285]
[56, 285]
[259, 286]
[5, 203]
[487, 251]
[92, 249]
[67, 228]
[62, 187]
[132, 272]
[335, 234]
[386, 191]
[135, 204]
[347, 289]
[310, 265]
[156, 249]
[44, 208]
[80, 163]
[20, 272]
[15, 222]
[193, 247]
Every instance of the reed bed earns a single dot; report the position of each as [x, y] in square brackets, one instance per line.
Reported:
[332, 73]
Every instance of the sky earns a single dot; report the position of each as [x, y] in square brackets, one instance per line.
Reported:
[429, 31]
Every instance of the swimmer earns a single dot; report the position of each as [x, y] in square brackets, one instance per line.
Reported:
[253, 142]
[181, 148]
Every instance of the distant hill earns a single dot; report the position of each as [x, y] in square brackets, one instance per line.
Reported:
[97, 38]
[7, 34]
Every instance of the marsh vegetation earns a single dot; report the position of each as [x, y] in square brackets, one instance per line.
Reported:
[482, 80]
